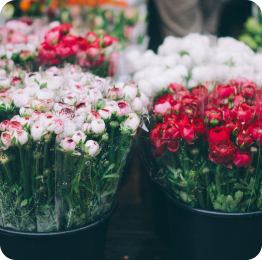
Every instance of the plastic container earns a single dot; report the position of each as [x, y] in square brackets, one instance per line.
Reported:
[204, 235]
[83, 243]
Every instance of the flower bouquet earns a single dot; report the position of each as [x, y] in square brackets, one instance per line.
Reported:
[63, 155]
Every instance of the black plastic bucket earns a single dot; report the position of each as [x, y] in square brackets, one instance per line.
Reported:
[206, 235]
[83, 243]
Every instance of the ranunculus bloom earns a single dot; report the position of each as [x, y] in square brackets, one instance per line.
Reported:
[245, 114]
[47, 53]
[3, 125]
[219, 134]
[17, 37]
[181, 121]
[16, 80]
[256, 133]
[234, 126]
[115, 93]
[165, 98]
[170, 132]
[242, 159]
[180, 94]
[248, 91]
[187, 132]
[189, 100]
[92, 147]
[66, 113]
[6, 138]
[201, 92]
[226, 113]
[155, 136]
[69, 39]
[176, 106]
[239, 99]
[63, 28]
[173, 88]
[68, 144]
[13, 125]
[162, 108]
[198, 126]
[108, 40]
[52, 37]
[213, 116]
[124, 108]
[222, 152]
[82, 42]
[244, 139]
[190, 111]
[65, 50]
[91, 37]
[225, 91]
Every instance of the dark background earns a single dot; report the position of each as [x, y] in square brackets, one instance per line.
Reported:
[139, 228]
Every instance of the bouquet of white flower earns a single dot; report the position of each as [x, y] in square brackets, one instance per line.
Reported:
[62, 156]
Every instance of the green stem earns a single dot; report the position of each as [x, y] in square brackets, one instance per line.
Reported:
[218, 183]
[248, 168]
[111, 156]
[90, 175]
[185, 161]
[237, 173]
[9, 174]
[208, 192]
[24, 174]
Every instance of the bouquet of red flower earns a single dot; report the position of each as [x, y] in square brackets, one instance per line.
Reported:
[206, 147]
[93, 52]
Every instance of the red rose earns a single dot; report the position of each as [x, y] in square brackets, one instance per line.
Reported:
[46, 52]
[222, 152]
[226, 113]
[174, 88]
[219, 134]
[155, 136]
[201, 92]
[64, 50]
[190, 111]
[245, 114]
[63, 28]
[52, 37]
[213, 116]
[187, 132]
[176, 106]
[82, 42]
[69, 39]
[181, 121]
[164, 98]
[248, 91]
[198, 126]
[234, 126]
[238, 100]
[244, 139]
[225, 91]
[242, 159]
[256, 133]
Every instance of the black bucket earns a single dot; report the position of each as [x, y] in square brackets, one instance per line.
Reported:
[83, 243]
[205, 235]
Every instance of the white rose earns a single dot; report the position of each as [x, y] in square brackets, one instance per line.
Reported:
[92, 148]
[79, 136]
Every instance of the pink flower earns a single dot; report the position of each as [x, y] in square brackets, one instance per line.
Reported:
[68, 144]
[163, 109]
[92, 115]
[21, 137]
[124, 108]
[65, 50]
[92, 147]
[36, 115]
[52, 37]
[238, 100]
[86, 128]
[6, 138]
[66, 113]
[3, 125]
[13, 125]
[57, 126]
[17, 37]
[79, 136]
[83, 107]
[188, 133]
[115, 93]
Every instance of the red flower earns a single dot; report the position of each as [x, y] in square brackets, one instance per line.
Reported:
[155, 136]
[245, 114]
[174, 88]
[234, 126]
[65, 50]
[198, 126]
[244, 139]
[91, 37]
[256, 133]
[248, 91]
[163, 99]
[238, 100]
[53, 37]
[213, 116]
[63, 28]
[176, 106]
[170, 118]
[225, 91]
[180, 94]
[171, 132]
[219, 134]
[109, 40]
[181, 121]
[16, 80]
[161, 109]
[201, 92]
[190, 111]
[187, 132]
[70, 39]
[82, 42]
[189, 100]
[46, 52]
[242, 159]
[226, 113]
[222, 152]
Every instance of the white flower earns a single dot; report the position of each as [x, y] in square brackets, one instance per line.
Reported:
[53, 71]
[92, 115]
[32, 78]
[144, 99]
[2, 73]
[79, 136]
[45, 94]
[130, 92]
[26, 111]
[60, 105]
[68, 144]
[145, 87]
[98, 126]
[105, 114]
[56, 126]
[33, 88]
[53, 25]
[26, 121]
[94, 95]
[69, 127]
[92, 148]
[72, 94]
[78, 89]
[5, 83]
[20, 97]
[112, 106]
[36, 115]
[65, 114]
[80, 119]
[38, 104]
[99, 83]
[70, 100]
[52, 82]
[46, 120]
[86, 128]
[132, 122]
[137, 105]
[16, 118]
[37, 131]
[21, 137]
[6, 138]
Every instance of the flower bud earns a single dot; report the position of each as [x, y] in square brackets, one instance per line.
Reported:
[21, 137]
[13, 125]
[105, 137]
[92, 148]
[47, 173]
[68, 144]
[114, 94]
[253, 150]
[206, 170]
[6, 138]
[137, 106]
[86, 128]
[252, 170]
[105, 114]
[130, 92]
[132, 122]
[100, 104]
[98, 126]
[195, 151]
[114, 124]
[26, 111]
[3, 125]
[37, 131]
[79, 137]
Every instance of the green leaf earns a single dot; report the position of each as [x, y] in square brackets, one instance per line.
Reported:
[39, 177]
[44, 85]
[23, 203]
[114, 175]
[109, 168]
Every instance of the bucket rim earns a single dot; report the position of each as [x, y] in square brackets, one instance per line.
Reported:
[208, 213]
[90, 226]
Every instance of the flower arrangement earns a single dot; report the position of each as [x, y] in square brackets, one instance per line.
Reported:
[63, 153]
[205, 149]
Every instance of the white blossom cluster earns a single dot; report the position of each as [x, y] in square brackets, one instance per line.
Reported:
[193, 60]
[72, 105]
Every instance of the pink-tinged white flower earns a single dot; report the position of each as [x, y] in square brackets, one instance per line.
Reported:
[124, 108]
[16, 81]
[45, 94]
[131, 84]
[130, 92]
[5, 83]
[13, 125]
[37, 131]
[38, 104]
[32, 78]
[33, 88]
[52, 82]
[46, 120]
[70, 100]
[36, 116]
[54, 24]
[98, 126]
[17, 37]
[163, 109]
[78, 89]
[49, 104]
[112, 106]
[3, 125]
[2, 73]
[16, 118]
[92, 148]
[60, 105]
[20, 97]
[94, 95]
[80, 119]
[57, 126]
[26, 121]
[99, 83]
[79, 136]
[72, 94]
[86, 128]
[6, 139]
[144, 99]
[132, 122]
[92, 115]
[68, 144]
[115, 94]
[53, 71]
[105, 114]
[137, 105]
[21, 137]
[66, 113]
[69, 128]
[26, 111]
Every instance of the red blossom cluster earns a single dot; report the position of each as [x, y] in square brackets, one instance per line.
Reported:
[229, 119]
[59, 45]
